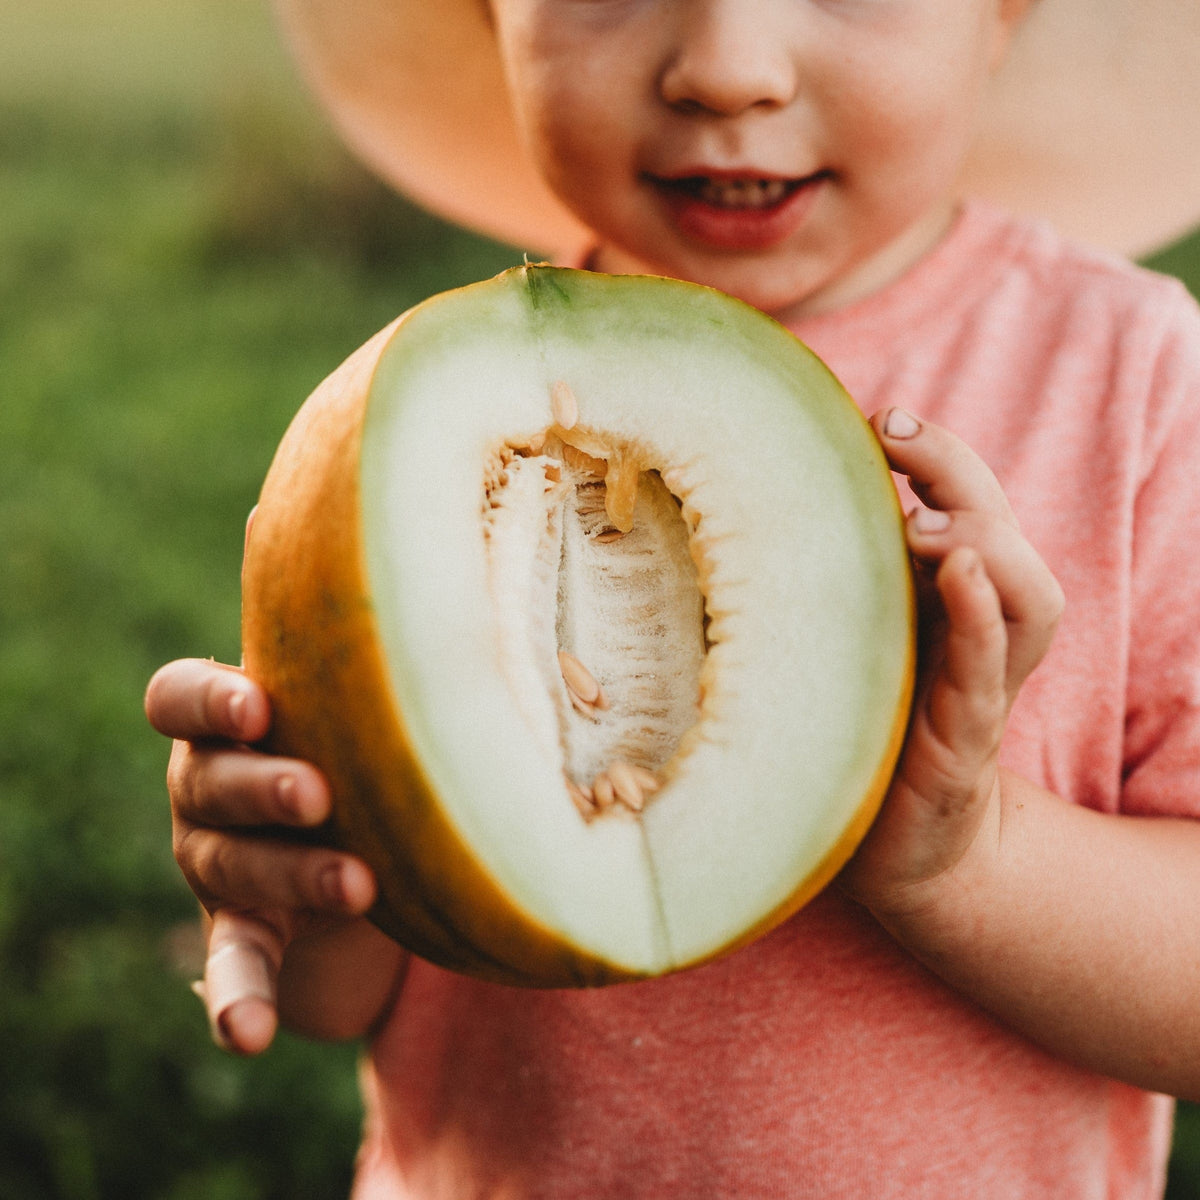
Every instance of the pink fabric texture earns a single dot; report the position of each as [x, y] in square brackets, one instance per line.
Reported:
[822, 1061]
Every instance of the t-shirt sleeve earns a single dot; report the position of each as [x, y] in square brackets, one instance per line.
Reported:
[1162, 730]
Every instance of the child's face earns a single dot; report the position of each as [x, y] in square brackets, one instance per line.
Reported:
[796, 153]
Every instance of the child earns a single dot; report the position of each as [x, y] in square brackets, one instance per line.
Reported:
[998, 994]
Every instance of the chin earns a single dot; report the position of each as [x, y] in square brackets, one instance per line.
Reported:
[750, 277]
[755, 285]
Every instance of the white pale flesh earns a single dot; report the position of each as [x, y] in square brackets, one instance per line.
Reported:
[765, 512]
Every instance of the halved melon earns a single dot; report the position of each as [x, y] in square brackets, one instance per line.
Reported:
[590, 596]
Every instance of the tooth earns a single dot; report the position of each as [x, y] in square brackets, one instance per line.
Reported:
[743, 193]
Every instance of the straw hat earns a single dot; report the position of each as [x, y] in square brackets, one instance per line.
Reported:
[1094, 120]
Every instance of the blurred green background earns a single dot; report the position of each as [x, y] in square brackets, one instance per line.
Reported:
[185, 251]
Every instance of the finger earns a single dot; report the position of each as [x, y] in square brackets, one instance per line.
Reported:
[241, 974]
[249, 871]
[1030, 598]
[938, 796]
[231, 785]
[947, 774]
[967, 701]
[945, 473]
[196, 698]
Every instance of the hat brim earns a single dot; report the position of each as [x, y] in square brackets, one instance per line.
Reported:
[1093, 121]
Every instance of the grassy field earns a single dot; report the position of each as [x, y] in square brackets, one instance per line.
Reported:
[184, 253]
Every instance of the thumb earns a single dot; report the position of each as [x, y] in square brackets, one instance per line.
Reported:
[241, 975]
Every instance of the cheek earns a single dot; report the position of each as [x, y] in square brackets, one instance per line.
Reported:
[901, 128]
[916, 93]
[577, 94]
[533, 73]
[561, 150]
[557, 81]
[580, 145]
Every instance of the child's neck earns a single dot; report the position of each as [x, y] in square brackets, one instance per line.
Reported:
[880, 270]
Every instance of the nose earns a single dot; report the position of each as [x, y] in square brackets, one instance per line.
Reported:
[728, 56]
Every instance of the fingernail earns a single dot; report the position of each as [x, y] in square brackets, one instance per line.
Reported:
[332, 887]
[901, 424]
[931, 520]
[221, 1032]
[235, 707]
[287, 796]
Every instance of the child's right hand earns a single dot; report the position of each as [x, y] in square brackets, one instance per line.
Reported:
[227, 800]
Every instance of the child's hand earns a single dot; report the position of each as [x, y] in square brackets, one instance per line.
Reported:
[260, 890]
[988, 610]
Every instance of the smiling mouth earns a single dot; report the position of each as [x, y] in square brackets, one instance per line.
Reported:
[736, 194]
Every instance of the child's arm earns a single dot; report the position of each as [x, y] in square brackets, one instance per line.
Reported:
[286, 936]
[1039, 910]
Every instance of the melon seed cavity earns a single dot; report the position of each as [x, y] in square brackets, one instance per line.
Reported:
[598, 611]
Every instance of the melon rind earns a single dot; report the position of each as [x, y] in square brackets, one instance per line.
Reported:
[367, 625]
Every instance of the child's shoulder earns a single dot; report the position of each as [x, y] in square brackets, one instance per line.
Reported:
[1079, 274]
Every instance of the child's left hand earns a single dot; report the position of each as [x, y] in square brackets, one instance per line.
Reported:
[988, 610]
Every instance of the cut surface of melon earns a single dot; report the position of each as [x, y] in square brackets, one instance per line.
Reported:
[590, 596]
[755, 468]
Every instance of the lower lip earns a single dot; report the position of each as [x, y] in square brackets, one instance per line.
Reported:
[741, 228]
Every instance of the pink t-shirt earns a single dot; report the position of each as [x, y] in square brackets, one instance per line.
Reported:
[823, 1061]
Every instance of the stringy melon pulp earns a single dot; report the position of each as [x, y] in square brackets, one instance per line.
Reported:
[599, 612]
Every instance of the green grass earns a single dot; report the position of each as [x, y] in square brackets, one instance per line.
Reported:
[184, 253]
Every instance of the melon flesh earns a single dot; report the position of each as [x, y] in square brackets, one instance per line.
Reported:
[747, 613]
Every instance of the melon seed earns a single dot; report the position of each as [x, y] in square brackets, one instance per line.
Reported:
[648, 781]
[582, 798]
[563, 405]
[625, 785]
[603, 793]
[579, 679]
